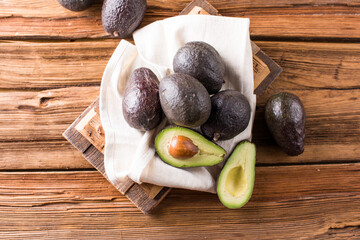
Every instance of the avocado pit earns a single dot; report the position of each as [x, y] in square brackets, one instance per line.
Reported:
[181, 147]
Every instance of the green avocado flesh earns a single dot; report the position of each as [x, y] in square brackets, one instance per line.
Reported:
[236, 180]
[208, 153]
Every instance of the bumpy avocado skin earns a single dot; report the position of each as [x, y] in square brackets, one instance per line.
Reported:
[230, 115]
[120, 18]
[203, 62]
[76, 5]
[141, 103]
[184, 100]
[285, 118]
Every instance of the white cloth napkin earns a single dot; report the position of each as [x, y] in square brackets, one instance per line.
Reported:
[129, 152]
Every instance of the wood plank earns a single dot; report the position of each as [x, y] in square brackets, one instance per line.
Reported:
[332, 123]
[42, 115]
[90, 127]
[300, 18]
[44, 65]
[315, 65]
[39, 65]
[289, 202]
[57, 154]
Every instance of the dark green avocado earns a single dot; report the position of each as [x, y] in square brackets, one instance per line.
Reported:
[141, 103]
[285, 118]
[203, 62]
[230, 115]
[184, 100]
[76, 5]
[182, 147]
[120, 18]
[237, 178]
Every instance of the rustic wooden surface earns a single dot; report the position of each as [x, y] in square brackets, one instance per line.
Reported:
[50, 69]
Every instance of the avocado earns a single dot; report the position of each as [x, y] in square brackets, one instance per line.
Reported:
[203, 62]
[236, 180]
[182, 147]
[120, 18]
[285, 118]
[76, 5]
[230, 115]
[141, 103]
[184, 100]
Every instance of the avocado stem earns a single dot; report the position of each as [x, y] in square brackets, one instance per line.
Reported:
[216, 136]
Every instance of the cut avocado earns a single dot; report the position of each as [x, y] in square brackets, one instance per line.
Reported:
[182, 147]
[236, 180]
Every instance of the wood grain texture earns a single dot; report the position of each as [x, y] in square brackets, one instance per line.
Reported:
[42, 115]
[289, 202]
[332, 123]
[305, 201]
[57, 154]
[309, 65]
[300, 18]
[44, 65]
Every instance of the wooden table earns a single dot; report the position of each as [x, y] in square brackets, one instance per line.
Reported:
[51, 62]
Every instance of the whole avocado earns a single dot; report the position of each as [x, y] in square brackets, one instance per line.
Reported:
[285, 118]
[184, 100]
[120, 18]
[230, 115]
[141, 103]
[203, 62]
[76, 5]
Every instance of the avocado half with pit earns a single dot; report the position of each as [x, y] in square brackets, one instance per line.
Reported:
[182, 147]
[236, 180]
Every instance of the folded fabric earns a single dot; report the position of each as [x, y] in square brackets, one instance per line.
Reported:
[131, 153]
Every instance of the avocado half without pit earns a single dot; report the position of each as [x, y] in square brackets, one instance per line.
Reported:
[236, 180]
[182, 147]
